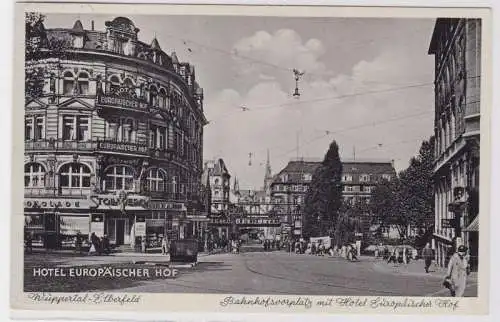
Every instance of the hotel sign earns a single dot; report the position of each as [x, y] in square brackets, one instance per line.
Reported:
[122, 147]
[114, 202]
[163, 205]
[56, 203]
[121, 102]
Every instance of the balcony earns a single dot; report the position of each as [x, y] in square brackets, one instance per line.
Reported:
[91, 146]
[54, 192]
[52, 145]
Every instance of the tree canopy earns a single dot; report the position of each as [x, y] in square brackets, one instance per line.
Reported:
[408, 201]
[324, 197]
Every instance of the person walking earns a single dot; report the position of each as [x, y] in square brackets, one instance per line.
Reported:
[458, 269]
[164, 246]
[428, 255]
[143, 244]
[393, 256]
[94, 244]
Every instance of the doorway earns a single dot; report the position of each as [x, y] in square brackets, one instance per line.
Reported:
[120, 231]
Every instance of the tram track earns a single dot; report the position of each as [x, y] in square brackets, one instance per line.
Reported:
[336, 285]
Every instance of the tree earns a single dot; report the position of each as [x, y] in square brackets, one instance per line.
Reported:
[324, 197]
[416, 192]
[383, 203]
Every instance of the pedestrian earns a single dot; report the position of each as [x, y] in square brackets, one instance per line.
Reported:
[427, 254]
[405, 258]
[143, 244]
[354, 254]
[106, 247]
[458, 269]
[93, 244]
[29, 243]
[393, 257]
[164, 246]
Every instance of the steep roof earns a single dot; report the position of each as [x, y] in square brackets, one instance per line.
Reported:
[155, 45]
[295, 170]
[78, 28]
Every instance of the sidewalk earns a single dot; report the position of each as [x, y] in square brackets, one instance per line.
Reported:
[416, 268]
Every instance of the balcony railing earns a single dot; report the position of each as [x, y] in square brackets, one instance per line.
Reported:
[47, 192]
[98, 145]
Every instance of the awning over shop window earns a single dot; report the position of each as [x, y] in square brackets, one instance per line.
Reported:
[70, 225]
[474, 225]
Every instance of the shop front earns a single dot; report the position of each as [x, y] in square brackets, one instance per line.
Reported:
[55, 222]
[119, 216]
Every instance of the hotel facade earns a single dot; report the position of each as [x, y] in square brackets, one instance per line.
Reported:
[456, 46]
[113, 137]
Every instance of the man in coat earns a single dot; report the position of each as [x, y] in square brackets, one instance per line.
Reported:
[458, 269]
[428, 255]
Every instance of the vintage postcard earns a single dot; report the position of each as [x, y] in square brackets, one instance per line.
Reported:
[251, 159]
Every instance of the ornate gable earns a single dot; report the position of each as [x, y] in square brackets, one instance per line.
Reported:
[77, 104]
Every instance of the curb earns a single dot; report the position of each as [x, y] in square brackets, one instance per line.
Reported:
[167, 264]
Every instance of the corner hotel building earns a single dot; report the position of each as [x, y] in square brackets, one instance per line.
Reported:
[113, 137]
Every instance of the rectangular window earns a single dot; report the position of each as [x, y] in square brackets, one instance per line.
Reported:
[83, 128]
[76, 128]
[28, 129]
[40, 128]
[347, 178]
[152, 138]
[161, 139]
[69, 128]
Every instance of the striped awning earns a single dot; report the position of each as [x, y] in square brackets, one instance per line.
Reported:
[474, 225]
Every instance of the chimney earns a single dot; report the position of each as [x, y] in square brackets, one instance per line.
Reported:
[92, 25]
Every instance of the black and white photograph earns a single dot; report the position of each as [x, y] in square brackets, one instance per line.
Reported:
[246, 154]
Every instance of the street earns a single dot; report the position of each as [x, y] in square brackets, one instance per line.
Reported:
[285, 273]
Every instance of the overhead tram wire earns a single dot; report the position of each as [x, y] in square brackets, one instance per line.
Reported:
[360, 126]
[338, 97]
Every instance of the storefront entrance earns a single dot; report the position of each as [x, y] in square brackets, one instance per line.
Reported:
[116, 231]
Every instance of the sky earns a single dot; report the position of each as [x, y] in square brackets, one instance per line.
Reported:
[367, 83]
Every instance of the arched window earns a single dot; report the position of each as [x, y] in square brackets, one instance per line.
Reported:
[34, 175]
[119, 178]
[155, 180]
[163, 98]
[68, 83]
[153, 96]
[83, 83]
[74, 175]
[114, 84]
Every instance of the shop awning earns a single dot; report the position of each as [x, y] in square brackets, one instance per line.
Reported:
[474, 225]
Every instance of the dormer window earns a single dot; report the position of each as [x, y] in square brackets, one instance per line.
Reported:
[307, 177]
[284, 177]
[364, 177]
[347, 178]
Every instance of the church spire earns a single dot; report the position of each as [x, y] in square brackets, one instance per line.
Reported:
[268, 176]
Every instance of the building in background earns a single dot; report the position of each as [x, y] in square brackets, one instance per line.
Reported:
[290, 186]
[456, 46]
[219, 180]
[113, 137]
